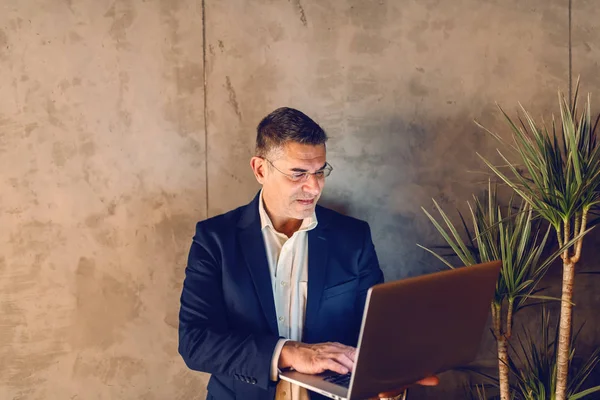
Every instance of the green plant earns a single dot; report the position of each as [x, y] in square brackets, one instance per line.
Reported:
[476, 392]
[512, 236]
[558, 175]
[535, 369]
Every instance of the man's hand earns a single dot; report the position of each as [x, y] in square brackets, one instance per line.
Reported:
[429, 381]
[317, 358]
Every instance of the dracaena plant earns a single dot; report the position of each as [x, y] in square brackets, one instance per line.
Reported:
[536, 369]
[557, 174]
[509, 234]
[533, 365]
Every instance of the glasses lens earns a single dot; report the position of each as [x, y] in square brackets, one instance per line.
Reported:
[300, 177]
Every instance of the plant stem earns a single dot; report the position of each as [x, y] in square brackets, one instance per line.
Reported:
[566, 311]
[577, 223]
[502, 343]
[503, 368]
[509, 317]
[564, 333]
[567, 234]
[579, 243]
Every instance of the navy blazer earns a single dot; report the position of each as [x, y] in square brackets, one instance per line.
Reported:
[227, 320]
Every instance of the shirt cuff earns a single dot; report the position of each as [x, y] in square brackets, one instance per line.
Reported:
[275, 359]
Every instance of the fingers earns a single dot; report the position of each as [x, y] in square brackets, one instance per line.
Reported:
[392, 394]
[339, 358]
[429, 381]
[343, 355]
[317, 358]
[332, 365]
[334, 347]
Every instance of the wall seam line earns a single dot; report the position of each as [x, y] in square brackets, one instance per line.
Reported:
[205, 84]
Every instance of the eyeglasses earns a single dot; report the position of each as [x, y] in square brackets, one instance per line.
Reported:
[303, 176]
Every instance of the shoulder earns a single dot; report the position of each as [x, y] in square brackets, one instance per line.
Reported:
[339, 222]
[219, 225]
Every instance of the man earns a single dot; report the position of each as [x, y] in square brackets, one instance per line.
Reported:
[280, 282]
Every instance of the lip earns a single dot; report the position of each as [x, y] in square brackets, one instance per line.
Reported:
[306, 202]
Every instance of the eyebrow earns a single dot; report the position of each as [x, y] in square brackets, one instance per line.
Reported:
[305, 170]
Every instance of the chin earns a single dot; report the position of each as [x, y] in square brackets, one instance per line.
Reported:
[304, 213]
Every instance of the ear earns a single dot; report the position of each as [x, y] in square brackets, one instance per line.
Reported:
[259, 167]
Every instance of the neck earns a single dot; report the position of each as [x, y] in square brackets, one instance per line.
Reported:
[287, 226]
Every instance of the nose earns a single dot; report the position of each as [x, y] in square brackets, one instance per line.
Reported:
[312, 185]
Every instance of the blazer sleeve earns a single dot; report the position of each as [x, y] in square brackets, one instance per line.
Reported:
[369, 274]
[205, 341]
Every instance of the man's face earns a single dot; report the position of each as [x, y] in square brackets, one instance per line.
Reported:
[285, 198]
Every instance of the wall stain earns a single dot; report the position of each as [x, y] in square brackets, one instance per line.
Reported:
[416, 35]
[189, 78]
[54, 115]
[105, 306]
[172, 319]
[69, 4]
[187, 385]
[416, 88]
[302, 13]
[102, 230]
[122, 14]
[28, 128]
[64, 84]
[74, 37]
[232, 97]
[27, 348]
[368, 15]
[62, 152]
[364, 43]
[446, 26]
[168, 11]
[185, 115]
[276, 31]
[184, 107]
[3, 45]
[108, 369]
[124, 114]
[87, 149]
[171, 232]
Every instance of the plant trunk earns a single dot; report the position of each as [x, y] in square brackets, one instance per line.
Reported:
[503, 368]
[564, 333]
[502, 343]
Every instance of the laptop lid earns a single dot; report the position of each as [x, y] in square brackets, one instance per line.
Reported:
[418, 327]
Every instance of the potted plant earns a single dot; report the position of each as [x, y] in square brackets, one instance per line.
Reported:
[512, 236]
[558, 176]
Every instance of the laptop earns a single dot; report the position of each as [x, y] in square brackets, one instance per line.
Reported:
[411, 329]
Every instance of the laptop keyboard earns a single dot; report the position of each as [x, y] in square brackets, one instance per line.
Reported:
[338, 379]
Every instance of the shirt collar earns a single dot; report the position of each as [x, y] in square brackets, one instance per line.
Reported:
[308, 223]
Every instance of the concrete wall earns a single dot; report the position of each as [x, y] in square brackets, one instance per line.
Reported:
[101, 177]
[104, 169]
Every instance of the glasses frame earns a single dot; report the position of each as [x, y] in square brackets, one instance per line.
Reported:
[299, 177]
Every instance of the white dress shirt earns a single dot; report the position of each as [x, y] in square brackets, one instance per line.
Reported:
[288, 266]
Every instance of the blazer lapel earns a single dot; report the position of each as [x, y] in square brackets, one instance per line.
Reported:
[317, 268]
[253, 249]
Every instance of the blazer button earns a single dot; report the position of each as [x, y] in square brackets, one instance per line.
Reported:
[253, 381]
